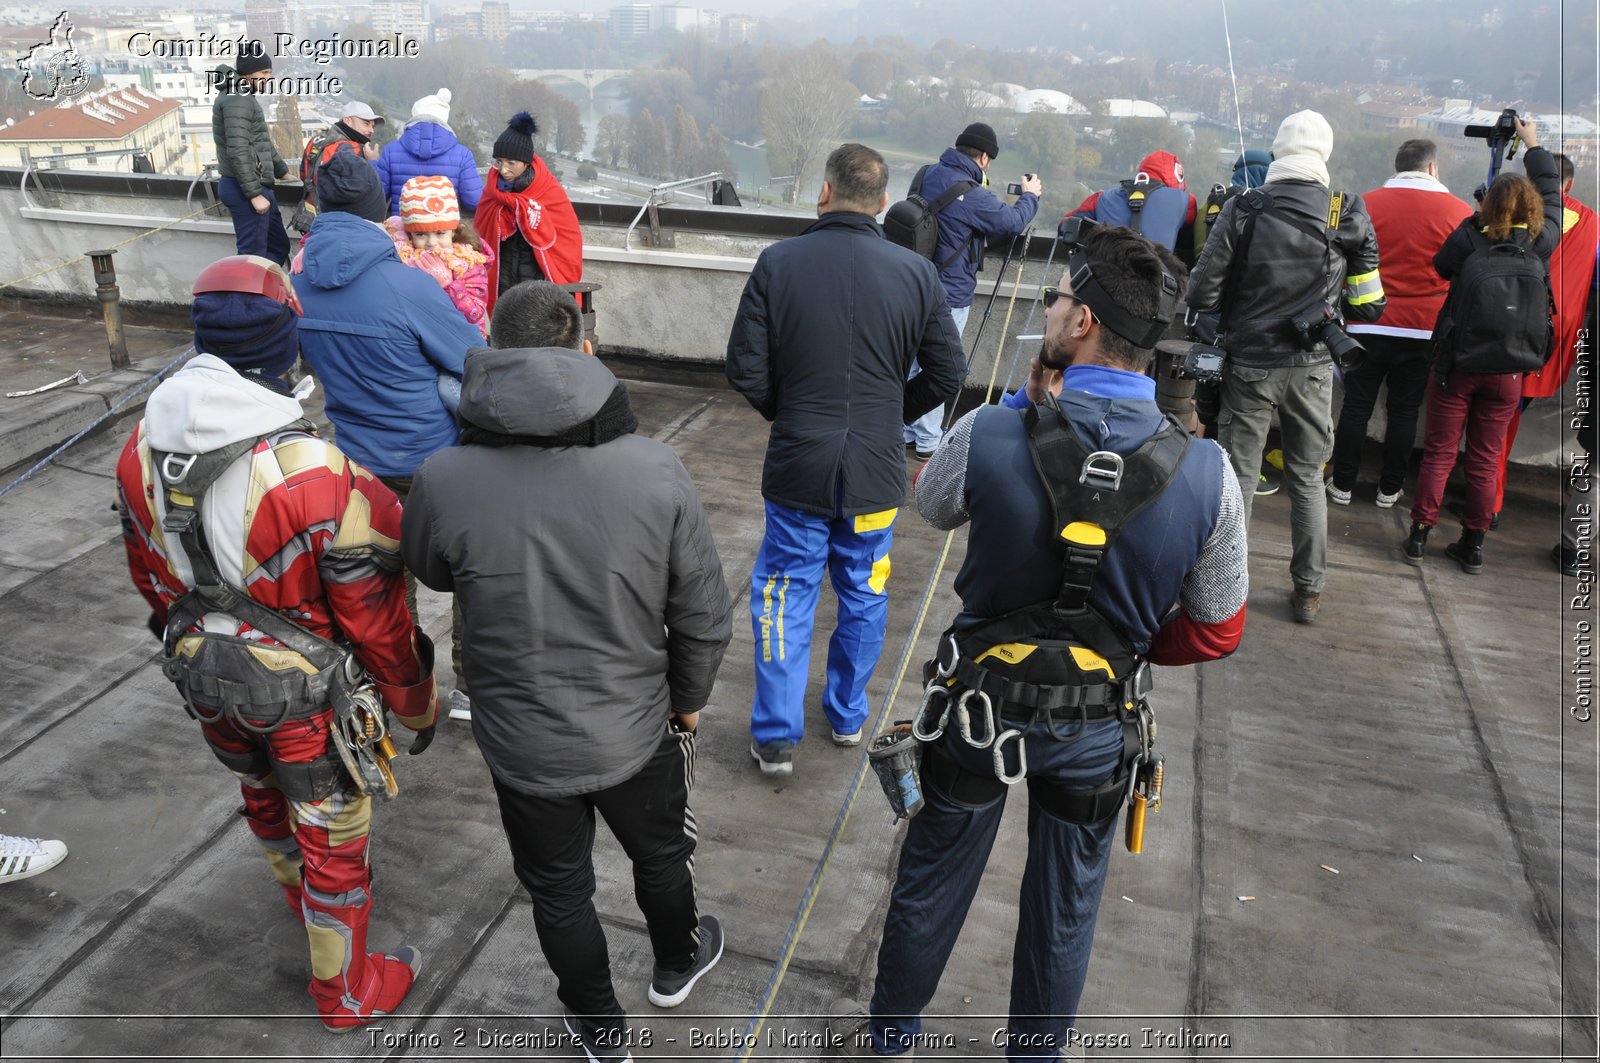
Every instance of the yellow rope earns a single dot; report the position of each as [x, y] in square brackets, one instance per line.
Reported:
[113, 247]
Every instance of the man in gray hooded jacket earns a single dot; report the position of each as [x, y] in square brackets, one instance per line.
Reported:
[596, 618]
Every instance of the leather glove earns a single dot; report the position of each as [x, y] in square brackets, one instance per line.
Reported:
[423, 740]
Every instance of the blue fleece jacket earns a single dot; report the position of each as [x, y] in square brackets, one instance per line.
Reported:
[976, 214]
[377, 334]
[428, 149]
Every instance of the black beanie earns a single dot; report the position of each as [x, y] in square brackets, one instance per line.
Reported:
[252, 58]
[516, 143]
[348, 183]
[980, 137]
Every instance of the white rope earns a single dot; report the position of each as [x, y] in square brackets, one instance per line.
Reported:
[1238, 111]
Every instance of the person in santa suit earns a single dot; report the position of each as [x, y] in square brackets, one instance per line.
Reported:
[1572, 269]
[525, 217]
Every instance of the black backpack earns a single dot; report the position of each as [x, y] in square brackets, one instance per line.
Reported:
[913, 222]
[1496, 318]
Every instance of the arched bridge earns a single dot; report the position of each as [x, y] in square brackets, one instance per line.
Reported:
[588, 78]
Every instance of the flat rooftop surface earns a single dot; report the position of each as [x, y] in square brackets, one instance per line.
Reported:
[1378, 839]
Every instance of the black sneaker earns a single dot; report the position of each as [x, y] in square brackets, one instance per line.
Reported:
[668, 990]
[594, 1040]
[1266, 485]
[1565, 558]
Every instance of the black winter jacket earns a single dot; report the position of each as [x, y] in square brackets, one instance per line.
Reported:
[1287, 266]
[821, 346]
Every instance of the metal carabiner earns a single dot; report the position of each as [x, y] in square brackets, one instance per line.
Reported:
[1104, 468]
[182, 463]
[1000, 760]
[964, 720]
[955, 655]
[925, 712]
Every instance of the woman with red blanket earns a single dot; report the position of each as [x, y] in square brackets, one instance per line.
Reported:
[525, 216]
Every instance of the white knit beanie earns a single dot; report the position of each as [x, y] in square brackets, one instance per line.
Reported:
[1303, 133]
[1301, 149]
[435, 108]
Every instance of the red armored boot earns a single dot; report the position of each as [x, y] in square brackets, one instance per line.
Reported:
[352, 988]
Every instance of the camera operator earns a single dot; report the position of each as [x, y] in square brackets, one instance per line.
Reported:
[963, 226]
[1274, 266]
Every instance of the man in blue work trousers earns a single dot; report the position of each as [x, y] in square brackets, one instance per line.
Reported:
[1090, 515]
[825, 335]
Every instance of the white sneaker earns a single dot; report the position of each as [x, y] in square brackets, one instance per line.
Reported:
[851, 739]
[22, 858]
[1336, 496]
[460, 705]
[1387, 501]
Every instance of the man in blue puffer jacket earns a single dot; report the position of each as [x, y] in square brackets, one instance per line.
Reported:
[963, 226]
[378, 334]
[428, 148]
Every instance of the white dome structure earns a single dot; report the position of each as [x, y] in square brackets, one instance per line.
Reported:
[1133, 109]
[1049, 99]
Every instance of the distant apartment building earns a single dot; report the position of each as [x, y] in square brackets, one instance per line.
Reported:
[492, 22]
[100, 132]
[496, 17]
[408, 18]
[629, 22]
[265, 19]
[679, 17]
[738, 29]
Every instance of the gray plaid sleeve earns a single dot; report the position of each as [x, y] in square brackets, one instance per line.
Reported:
[1216, 588]
[941, 491]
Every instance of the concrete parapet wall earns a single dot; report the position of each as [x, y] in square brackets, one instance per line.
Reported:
[675, 304]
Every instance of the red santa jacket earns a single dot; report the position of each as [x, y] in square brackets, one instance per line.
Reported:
[294, 524]
[1412, 214]
[1571, 273]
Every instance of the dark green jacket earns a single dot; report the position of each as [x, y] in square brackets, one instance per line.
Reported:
[244, 146]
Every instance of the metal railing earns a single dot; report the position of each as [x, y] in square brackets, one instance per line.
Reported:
[653, 202]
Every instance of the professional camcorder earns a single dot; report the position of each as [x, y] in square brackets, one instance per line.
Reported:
[1499, 135]
[1318, 323]
[1503, 130]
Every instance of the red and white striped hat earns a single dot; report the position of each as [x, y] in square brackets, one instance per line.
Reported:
[428, 205]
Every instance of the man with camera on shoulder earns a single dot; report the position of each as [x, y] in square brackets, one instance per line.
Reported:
[1284, 265]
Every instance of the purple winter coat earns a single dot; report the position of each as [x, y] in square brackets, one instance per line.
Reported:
[427, 149]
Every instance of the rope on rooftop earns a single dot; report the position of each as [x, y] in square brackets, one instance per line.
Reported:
[113, 247]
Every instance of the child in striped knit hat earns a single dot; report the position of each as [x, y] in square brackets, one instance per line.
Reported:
[430, 235]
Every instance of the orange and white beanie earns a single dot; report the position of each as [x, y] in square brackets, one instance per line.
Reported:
[428, 205]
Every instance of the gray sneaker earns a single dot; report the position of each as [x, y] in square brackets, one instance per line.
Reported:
[668, 989]
[775, 758]
[460, 705]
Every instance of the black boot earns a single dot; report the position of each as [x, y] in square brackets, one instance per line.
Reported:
[1468, 551]
[1416, 544]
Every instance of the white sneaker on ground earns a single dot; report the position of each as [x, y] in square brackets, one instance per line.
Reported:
[851, 739]
[460, 705]
[22, 858]
[775, 758]
[1336, 496]
[1387, 501]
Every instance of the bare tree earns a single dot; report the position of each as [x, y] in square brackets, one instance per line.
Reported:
[805, 108]
[287, 136]
[685, 143]
[963, 99]
[613, 137]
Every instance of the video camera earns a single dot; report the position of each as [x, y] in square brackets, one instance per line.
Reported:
[1502, 133]
[1317, 322]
